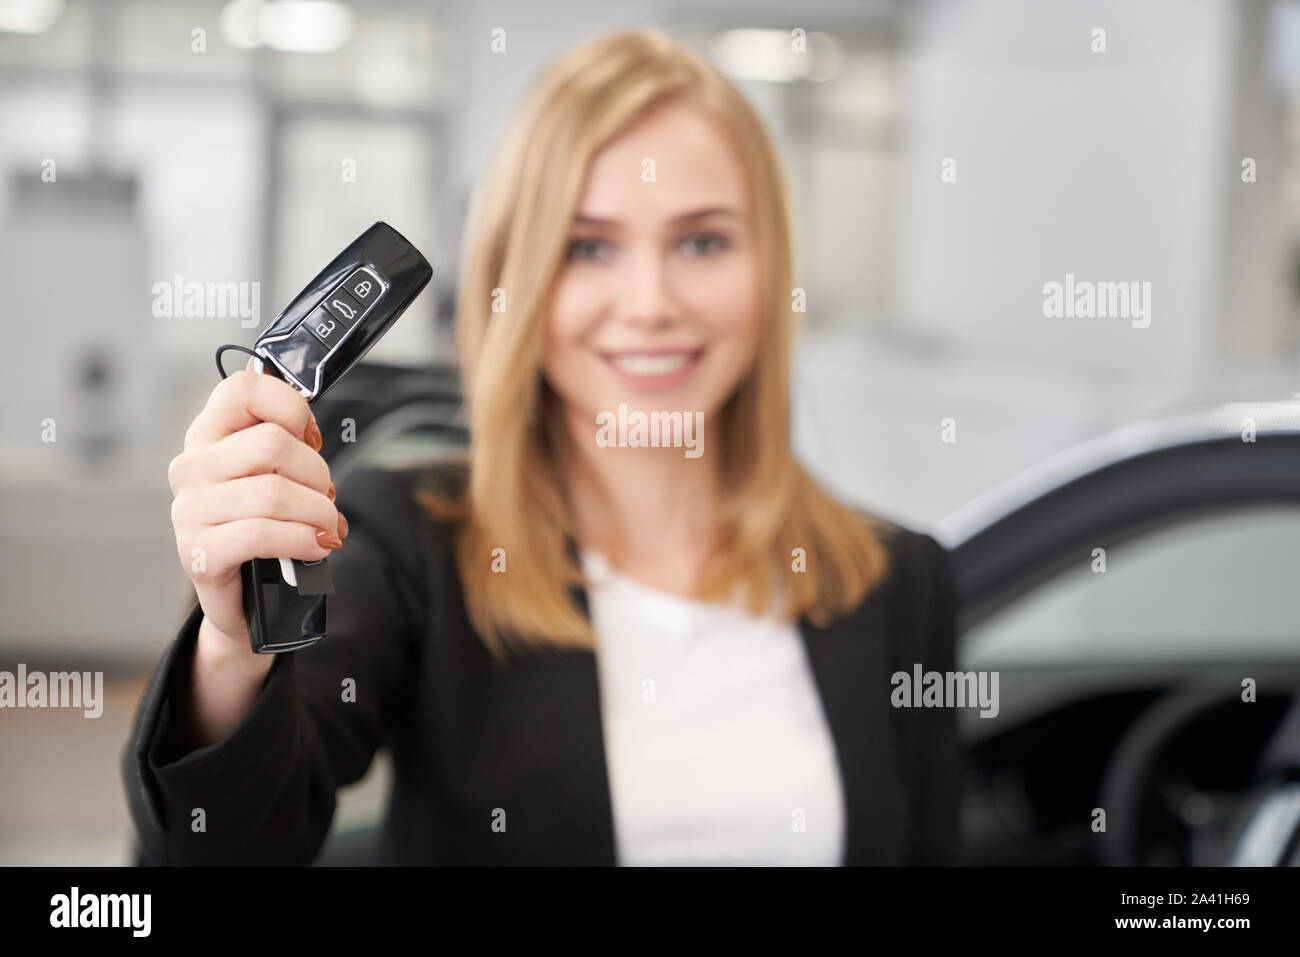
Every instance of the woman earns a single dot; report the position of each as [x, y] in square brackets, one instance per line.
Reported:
[628, 627]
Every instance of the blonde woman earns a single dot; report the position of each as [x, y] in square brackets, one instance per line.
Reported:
[627, 628]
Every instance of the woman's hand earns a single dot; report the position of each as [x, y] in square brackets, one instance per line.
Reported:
[251, 483]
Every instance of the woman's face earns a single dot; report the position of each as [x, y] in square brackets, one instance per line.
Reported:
[655, 304]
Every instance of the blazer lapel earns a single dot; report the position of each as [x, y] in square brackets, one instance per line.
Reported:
[850, 663]
[588, 692]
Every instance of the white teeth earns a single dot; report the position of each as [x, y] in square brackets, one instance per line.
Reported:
[652, 365]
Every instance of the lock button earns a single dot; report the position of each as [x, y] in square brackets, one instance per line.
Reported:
[363, 286]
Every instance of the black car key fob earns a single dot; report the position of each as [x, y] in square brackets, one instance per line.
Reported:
[318, 337]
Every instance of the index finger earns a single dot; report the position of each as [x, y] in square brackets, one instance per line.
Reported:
[246, 398]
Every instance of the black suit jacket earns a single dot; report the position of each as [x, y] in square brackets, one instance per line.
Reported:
[468, 736]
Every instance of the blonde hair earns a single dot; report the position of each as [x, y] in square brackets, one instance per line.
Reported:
[517, 233]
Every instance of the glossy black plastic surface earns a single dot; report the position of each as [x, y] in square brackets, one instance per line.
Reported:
[279, 617]
[290, 345]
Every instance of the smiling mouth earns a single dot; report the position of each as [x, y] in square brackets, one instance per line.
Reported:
[657, 363]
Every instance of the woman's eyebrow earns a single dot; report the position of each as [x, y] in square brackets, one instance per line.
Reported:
[703, 213]
[581, 220]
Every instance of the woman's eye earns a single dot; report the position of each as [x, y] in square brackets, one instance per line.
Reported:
[704, 243]
[586, 248]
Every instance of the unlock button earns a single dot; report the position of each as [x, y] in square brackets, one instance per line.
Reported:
[326, 327]
[343, 307]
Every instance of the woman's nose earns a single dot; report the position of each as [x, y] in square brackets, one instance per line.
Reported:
[646, 297]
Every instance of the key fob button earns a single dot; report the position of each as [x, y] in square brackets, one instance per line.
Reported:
[326, 326]
[343, 307]
[363, 286]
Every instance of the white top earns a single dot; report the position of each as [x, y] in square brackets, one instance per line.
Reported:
[716, 742]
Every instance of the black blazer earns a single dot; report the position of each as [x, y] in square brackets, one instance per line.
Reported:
[468, 736]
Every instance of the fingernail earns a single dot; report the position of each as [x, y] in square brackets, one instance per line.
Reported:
[328, 539]
[312, 436]
[332, 492]
[343, 526]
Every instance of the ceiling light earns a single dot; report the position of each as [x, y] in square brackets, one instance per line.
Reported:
[291, 26]
[29, 16]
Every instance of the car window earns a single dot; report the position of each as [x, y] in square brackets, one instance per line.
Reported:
[1220, 585]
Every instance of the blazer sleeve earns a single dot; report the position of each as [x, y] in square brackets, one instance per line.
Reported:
[267, 791]
[932, 749]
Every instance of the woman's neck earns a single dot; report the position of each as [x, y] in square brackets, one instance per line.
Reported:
[649, 511]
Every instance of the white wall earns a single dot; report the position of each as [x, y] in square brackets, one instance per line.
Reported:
[1107, 165]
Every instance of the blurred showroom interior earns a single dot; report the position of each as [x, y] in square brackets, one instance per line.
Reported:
[211, 140]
